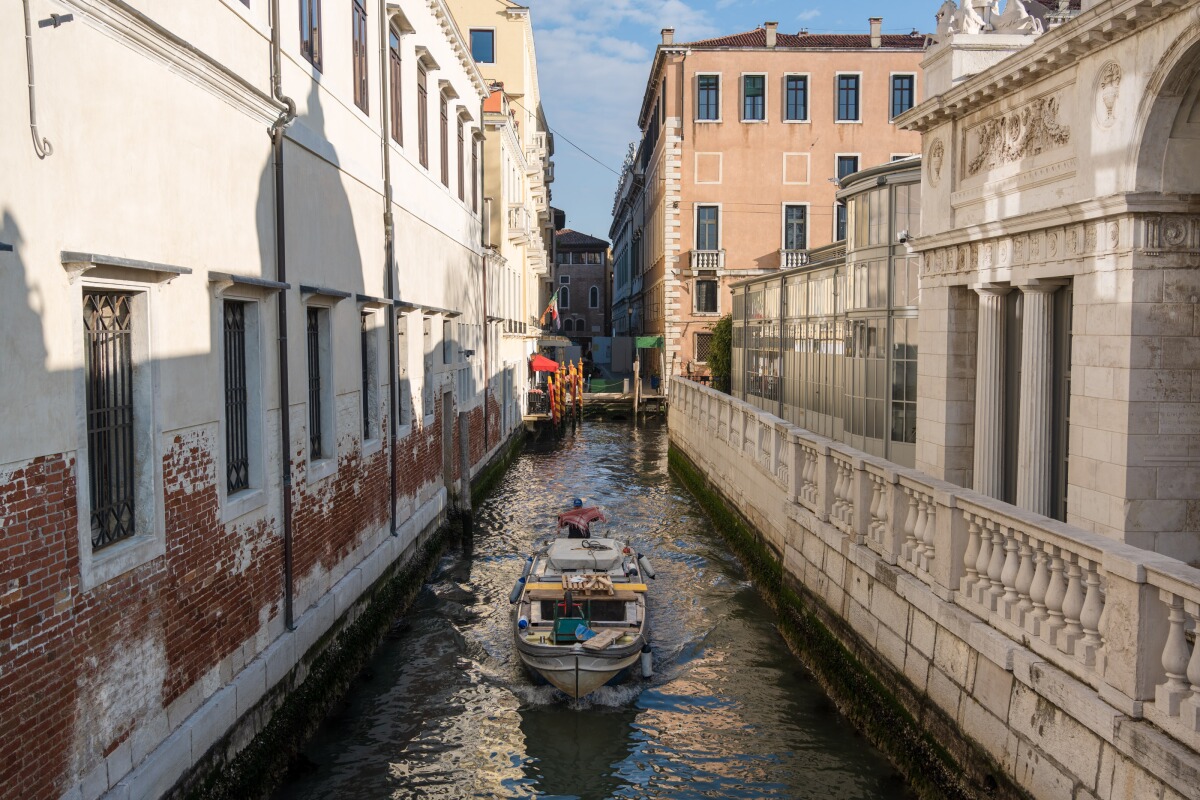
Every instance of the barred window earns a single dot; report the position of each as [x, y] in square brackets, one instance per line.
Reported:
[320, 400]
[405, 404]
[237, 399]
[370, 377]
[427, 393]
[703, 348]
[108, 367]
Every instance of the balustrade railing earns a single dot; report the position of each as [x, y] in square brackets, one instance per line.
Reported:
[1120, 619]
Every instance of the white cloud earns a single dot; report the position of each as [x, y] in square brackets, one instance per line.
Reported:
[812, 13]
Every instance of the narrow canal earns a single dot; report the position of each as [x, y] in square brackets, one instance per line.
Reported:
[446, 709]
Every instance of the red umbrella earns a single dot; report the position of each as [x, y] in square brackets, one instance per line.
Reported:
[542, 364]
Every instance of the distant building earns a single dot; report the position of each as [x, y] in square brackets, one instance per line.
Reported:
[583, 277]
[743, 140]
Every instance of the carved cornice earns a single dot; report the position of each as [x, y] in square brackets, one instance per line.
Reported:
[1021, 133]
[1053, 52]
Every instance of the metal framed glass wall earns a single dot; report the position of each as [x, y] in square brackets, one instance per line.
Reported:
[832, 347]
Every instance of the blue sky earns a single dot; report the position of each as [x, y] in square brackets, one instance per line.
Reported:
[594, 57]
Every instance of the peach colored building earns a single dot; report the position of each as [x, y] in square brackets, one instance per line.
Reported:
[743, 140]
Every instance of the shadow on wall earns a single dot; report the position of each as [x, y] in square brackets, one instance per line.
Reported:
[22, 339]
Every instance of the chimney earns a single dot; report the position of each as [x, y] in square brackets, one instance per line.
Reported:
[668, 35]
[876, 26]
[771, 28]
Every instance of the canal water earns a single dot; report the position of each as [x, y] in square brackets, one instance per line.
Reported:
[446, 710]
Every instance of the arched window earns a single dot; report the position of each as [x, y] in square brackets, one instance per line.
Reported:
[568, 325]
[594, 297]
[564, 297]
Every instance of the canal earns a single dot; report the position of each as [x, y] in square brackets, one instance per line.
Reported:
[446, 710]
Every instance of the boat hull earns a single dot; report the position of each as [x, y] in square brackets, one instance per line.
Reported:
[575, 671]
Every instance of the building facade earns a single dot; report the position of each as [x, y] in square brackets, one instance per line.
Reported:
[744, 138]
[243, 247]
[583, 280]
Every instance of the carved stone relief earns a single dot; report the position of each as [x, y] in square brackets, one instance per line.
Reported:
[1167, 234]
[1108, 88]
[1019, 134]
[937, 154]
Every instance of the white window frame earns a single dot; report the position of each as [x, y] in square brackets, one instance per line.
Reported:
[255, 496]
[766, 98]
[404, 396]
[149, 539]
[808, 98]
[891, 77]
[720, 98]
[783, 207]
[474, 28]
[836, 156]
[720, 224]
[321, 468]
[861, 95]
[376, 331]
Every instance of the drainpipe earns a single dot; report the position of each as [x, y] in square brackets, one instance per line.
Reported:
[41, 146]
[285, 428]
[388, 258]
[487, 362]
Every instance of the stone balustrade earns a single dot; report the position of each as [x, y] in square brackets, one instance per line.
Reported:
[1117, 619]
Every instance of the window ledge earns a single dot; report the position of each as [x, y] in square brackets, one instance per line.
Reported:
[797, 121]
[755, 121]
[321, 469]
[119, 558]
[371, 446]
[242, 503]
[706, 121]
[847, 122]
[427, 420]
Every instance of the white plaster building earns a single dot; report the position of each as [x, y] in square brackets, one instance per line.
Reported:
[243, 244]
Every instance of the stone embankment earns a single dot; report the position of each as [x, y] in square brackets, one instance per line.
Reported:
[1064, 662]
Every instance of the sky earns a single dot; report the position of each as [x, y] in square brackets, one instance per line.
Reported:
[594, 57]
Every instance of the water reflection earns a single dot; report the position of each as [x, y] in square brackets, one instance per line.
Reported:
[448, 711]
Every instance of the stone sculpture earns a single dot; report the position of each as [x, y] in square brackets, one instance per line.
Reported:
[984, 16]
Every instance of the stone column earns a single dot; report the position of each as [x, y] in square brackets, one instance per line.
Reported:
[989, 392]
[1034, 447]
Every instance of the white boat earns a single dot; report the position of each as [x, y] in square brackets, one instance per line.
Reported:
[581, 609]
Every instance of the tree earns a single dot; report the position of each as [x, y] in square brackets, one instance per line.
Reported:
[721, 356]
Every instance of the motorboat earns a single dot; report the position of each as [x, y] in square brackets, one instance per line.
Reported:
[580, 620]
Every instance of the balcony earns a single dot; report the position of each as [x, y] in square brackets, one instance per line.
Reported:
[789, 259]
[519, 227]
[549, 172]
[708, 259]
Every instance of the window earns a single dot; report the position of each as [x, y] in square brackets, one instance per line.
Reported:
[568, 325]
[904, 380]
[402, 356]
[447, 342]
[706, 296]
[310, 31]
[708, 97]
[395, 82]
[445, 140]
[462, 176]
[108, 367]
[707, 233]
[594, 297]
[564, 278]
[370, 377]
[903, 87]
[474, 175]
[795, 227]
[320, 385]
[358, 49]
[483, 45]
[847, 98]
[662, 101]
[237, 399]
[422, 117]
[703, 347]
[564, 297]
[754, 108]
[796, 100]
[427, 386]
[846, 165]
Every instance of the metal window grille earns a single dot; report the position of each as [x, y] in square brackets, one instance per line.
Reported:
[703, 346]
[315, 437]
[395, 85]
[847, 88]
[237, 446]
[108, 348]
[708, 101]
[310, 31]
[797, 97]
[367, 399]
[358, 23]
